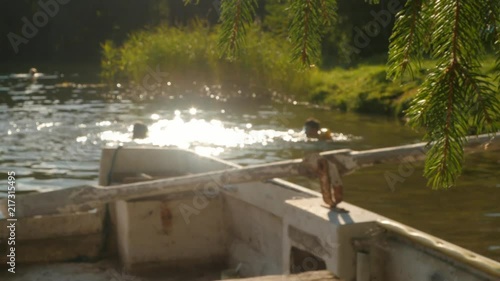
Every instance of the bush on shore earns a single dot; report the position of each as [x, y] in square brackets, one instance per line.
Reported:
[188, 54]
[191, 54]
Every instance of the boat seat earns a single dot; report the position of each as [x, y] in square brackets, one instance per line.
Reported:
[123, 178]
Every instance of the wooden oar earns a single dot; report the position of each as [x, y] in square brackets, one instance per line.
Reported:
[411, 152]
[85, 198]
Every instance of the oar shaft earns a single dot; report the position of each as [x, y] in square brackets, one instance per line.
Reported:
[412, 152]
[85, 198]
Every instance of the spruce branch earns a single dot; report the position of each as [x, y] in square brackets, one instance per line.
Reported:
[328, 12]
[187, 2]
[493, 27]
[484, 104]
[406, 42]
[310, 18]
[454, 93]
[304, 30]
[235, 16]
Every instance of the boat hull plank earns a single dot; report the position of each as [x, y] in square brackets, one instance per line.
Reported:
[306, 276]
[171, 234]
[328, 233]
[256, 239]
[105, 270]
[392, 255]
[46, 239]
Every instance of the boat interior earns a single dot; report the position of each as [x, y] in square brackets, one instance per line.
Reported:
[214, 231]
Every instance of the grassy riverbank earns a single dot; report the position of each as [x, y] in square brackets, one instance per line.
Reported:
[190, 55]
[365, 88]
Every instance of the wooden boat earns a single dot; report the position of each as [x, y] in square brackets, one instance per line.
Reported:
[170, 214]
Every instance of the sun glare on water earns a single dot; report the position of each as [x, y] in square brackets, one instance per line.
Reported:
[209, 137]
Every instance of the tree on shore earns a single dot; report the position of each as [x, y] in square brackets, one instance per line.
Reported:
[455, 34]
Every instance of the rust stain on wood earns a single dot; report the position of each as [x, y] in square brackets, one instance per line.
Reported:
[166, 218]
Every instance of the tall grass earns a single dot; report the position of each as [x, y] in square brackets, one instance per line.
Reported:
[365, 88]
[190, 54]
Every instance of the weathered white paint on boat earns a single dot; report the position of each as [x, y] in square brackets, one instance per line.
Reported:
[256, 224]
[43, 239]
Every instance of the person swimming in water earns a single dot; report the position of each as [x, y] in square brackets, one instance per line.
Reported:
[140, 131]
[32, 74]
[313, 130]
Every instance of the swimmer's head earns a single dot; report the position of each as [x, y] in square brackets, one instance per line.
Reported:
[140, 131]
[311, 128]
[32, 71]
[32, 74]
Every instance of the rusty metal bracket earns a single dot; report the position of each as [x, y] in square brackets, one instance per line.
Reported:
[329, 178]
[317, 166]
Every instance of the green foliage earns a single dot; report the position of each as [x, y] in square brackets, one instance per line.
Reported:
[276, 19]
[309, 19]
[455, 93]
[364, 89]
[110, 55]
[410, 32]
[235, 15]
[191, 53]
[497, 67]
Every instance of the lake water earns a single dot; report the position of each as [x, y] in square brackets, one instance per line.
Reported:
[53, 130]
